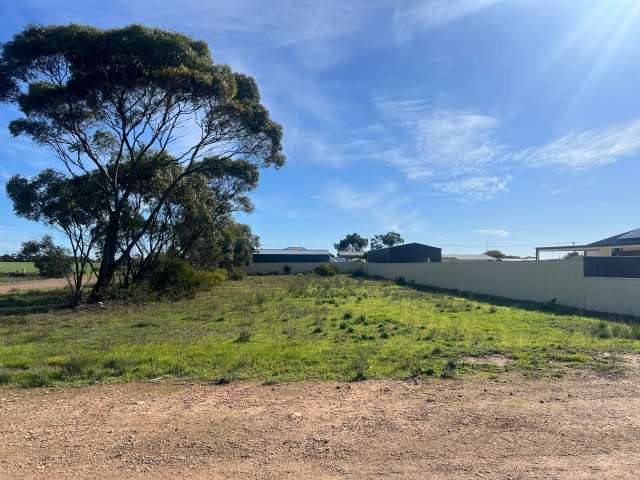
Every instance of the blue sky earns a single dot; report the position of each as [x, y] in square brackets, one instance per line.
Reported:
[459, 123]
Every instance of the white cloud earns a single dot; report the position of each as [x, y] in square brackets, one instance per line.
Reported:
[429, 14]
[456, 142]
[493, 232]
[453, 149]
[384, 206]
[460, 152]
[582, 150]
[475, 188]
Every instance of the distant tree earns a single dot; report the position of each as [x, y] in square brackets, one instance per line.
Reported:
[71, 206]
[495, 254]
[351, 243]
[386, 240]
[571, 255]
[51, 260]
[128, 103]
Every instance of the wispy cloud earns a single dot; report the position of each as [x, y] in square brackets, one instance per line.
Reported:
[582, 150]
[461, 152]
[383, 206]
[475, 189]
[454, 141]
[493, 232]
[429, 14]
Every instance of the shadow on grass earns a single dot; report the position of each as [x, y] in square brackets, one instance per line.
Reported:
[549, 307]
[33, 301]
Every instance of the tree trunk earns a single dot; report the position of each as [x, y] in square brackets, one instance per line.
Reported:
[108, 264]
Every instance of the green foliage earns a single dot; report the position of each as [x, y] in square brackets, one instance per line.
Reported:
[109, 104]
[300, 328]
[495, 254]
[175, 278]
[51, 260]
[351, 243]
[386, 240]
[326, 270]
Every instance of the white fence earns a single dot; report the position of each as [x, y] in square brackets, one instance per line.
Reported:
[543, 281]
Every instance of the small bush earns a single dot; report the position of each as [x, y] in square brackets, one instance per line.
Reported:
[175, 278]
[326, 270]
[286, 269]
[449, 370]
[493, 309]
[359, 368]
[224, 379]
[236, 274]
[244, 336]
[602, 330]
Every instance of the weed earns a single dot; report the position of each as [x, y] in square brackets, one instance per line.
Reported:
[449, 370]
[359, 367]
[244, 336]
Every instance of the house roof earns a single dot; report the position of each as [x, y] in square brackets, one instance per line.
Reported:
[469, 258]
[291, 251]
[632, 237]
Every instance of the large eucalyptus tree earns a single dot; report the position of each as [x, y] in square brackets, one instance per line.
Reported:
[108, 102]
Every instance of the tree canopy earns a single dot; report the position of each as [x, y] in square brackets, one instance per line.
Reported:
[386, 240]
[147, 125]
[495, 254]
[351, 243]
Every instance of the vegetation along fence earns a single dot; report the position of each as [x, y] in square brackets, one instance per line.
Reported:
[559, 281]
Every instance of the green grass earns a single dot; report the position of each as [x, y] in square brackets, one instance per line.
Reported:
[287, 328]
[10, 267]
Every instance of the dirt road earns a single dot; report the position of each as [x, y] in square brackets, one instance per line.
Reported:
[586, 427]
[33, 284]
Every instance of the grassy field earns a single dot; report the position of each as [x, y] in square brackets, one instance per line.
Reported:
[7, 268]
[10, 267]
[298, 328]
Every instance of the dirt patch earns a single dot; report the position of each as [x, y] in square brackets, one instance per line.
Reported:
[494, 360]
[585, 427]
[33, 285]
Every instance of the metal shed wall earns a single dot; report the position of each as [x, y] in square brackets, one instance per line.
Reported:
[293, 258]
[409, 253]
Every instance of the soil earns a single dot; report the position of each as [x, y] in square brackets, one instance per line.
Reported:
[33, 284]
[583, 426]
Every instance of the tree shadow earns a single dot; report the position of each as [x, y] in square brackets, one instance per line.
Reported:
[33, 301]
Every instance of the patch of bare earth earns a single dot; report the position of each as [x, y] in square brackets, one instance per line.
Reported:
[493, 360]
[33, 285]
[583, 427]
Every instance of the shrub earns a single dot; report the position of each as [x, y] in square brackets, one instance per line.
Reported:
[359, 368]
[326, 270]
[602, 330]
[235, 274]
[244, 336]
[287, 269]
[175, 278]
[449, 370]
